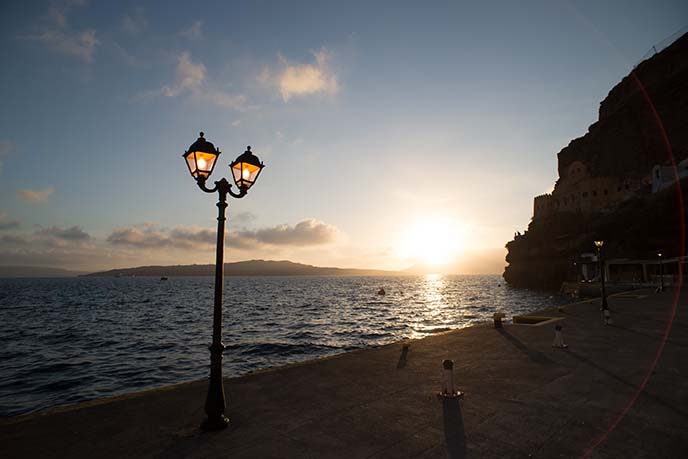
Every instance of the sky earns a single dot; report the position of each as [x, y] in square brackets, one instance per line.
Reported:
[394, 133]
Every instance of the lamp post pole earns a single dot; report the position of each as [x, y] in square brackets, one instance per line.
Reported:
[661, 273]
[201, 158]
[606, 320]
[215, 400]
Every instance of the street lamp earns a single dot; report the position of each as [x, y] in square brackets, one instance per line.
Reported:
[661, 272]
[201, 158]
[605, 307]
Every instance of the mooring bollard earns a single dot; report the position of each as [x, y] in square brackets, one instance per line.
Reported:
[606, 317]
[448, 390]
[558, 338]
[498, 316]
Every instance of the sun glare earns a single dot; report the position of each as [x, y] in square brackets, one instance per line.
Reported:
[432, 241]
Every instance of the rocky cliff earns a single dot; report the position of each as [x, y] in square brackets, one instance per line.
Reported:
[642, 122]
[627, 139]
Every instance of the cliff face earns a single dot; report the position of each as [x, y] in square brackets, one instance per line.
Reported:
[626, 140]
[605, 179]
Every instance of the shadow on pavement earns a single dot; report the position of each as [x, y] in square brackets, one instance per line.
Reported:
[402, 358]
[535, 356]
[454, 433]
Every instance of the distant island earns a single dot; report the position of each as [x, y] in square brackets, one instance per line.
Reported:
[242, 268]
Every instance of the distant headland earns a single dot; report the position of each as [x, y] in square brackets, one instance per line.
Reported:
[242, 268]
[625, 181]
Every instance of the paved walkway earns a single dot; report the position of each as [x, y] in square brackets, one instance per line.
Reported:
[523, 399]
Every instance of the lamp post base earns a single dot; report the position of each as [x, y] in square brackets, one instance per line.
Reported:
[215, 423]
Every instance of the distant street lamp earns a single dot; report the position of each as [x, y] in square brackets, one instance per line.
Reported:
[605, 307]
[201, 158]
[661, 272]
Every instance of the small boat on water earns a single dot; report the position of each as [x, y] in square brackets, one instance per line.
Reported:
[163, 278]
[381, 291]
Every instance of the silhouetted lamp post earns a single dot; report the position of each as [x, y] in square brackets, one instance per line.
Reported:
[600, 260]
[661, 272]
[201, 158]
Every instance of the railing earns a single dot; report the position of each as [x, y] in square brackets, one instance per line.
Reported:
[661, 45]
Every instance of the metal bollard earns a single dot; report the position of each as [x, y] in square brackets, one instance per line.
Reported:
[448, 390]
[607, 318]
[498, 316]
[558, 338]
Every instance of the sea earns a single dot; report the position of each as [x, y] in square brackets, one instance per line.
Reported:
[67, 340]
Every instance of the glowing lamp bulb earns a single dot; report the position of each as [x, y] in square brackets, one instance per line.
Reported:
[202, 163]
[246, 173]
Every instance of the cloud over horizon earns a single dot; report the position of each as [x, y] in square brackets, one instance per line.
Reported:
[6, 223]
[306, 233]
[52, 236]
[73, 234]
[36, 195]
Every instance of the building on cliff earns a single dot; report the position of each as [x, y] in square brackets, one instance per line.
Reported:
[625, 181]
[578, 191]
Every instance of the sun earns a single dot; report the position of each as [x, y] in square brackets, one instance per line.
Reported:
[432, 241]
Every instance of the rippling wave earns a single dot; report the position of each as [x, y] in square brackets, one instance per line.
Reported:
[74, 339]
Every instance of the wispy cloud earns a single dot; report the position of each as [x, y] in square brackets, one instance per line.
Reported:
[81, 45]
[6, 223]
[59, 38]
[135, 23]
[302, 79]
[190, 78]
[222, 99]
[36, 195]
[194, 31]
[306, 233]
[60, 8]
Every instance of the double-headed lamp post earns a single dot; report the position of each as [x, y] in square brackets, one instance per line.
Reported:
[605, 307]
[201, 158]
[661, 272]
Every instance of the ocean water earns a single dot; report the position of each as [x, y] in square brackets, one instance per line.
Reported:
[74, 339]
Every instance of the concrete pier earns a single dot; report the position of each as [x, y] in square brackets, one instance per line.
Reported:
[603, 396]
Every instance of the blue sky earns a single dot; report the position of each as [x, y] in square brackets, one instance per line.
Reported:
[380, 123]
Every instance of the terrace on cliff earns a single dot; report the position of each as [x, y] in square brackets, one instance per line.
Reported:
[621, 181]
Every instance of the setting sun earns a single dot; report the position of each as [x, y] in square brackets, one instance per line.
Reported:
[432, 241]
